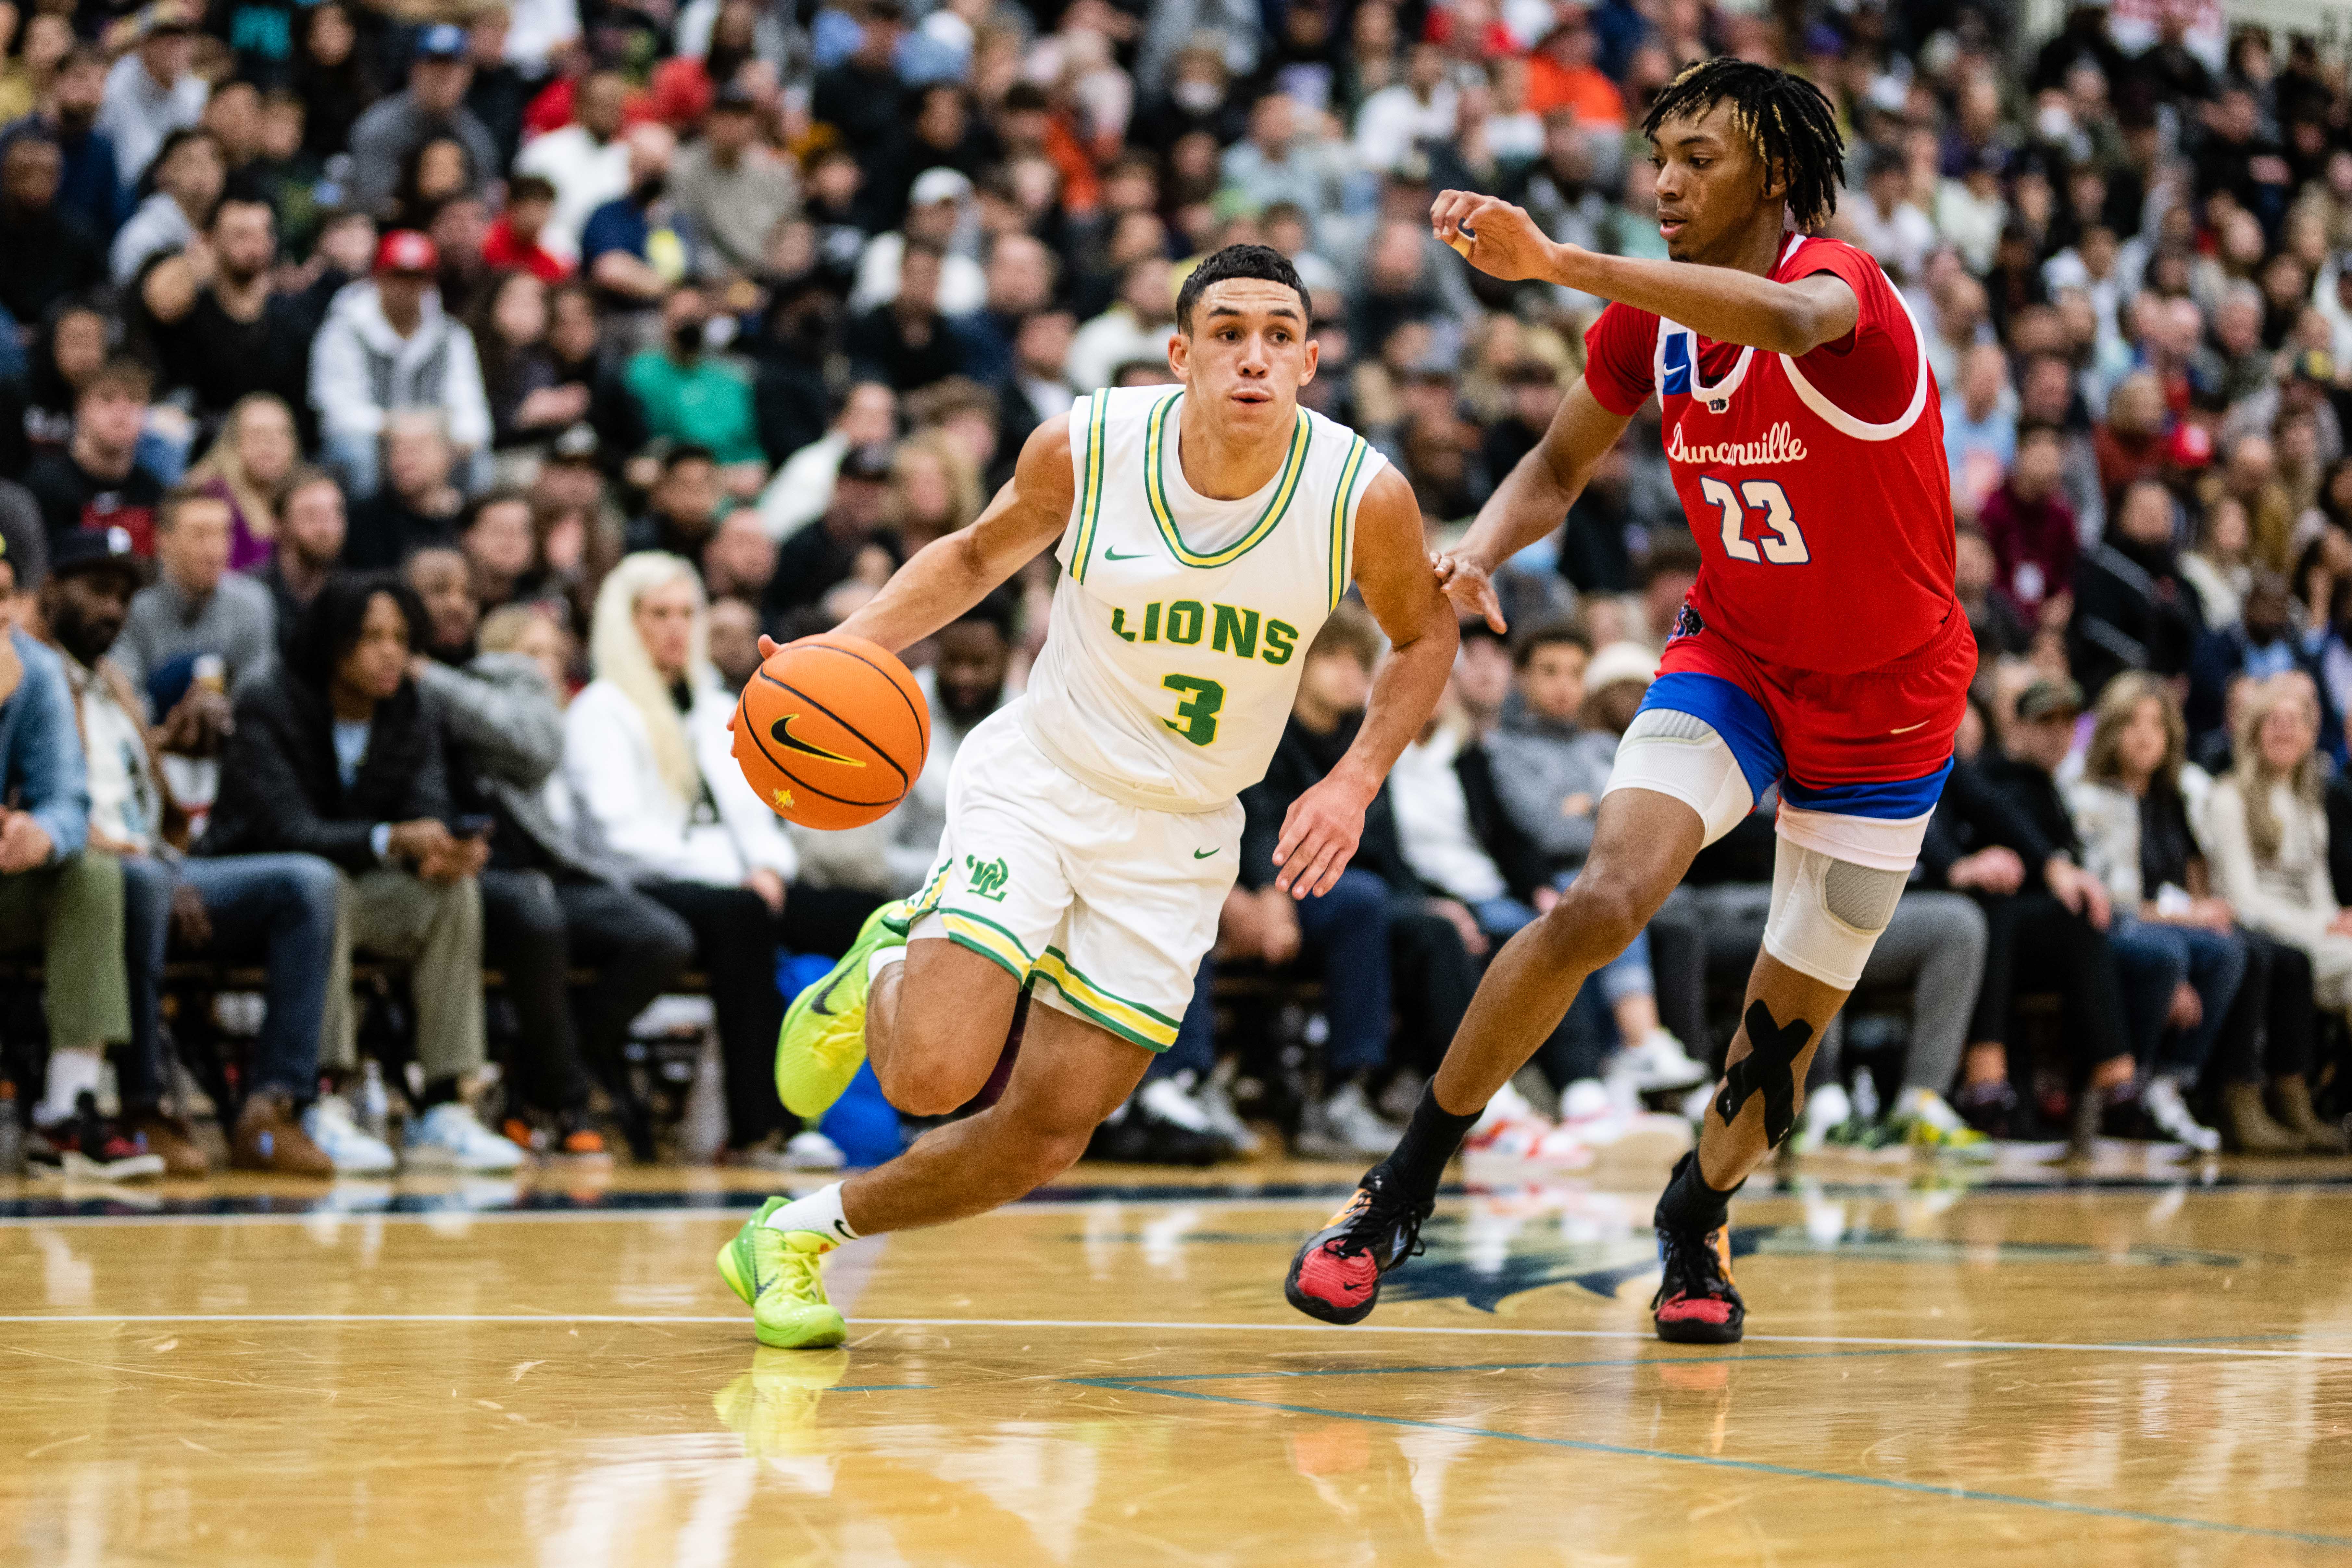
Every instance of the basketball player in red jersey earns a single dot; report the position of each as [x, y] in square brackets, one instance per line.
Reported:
[1821, 648]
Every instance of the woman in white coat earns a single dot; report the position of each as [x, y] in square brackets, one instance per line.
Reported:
[647, 751]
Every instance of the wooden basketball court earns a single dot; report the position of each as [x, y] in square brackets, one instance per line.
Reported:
[1945, 1367]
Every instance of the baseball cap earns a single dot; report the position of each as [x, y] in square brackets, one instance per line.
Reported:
[1619, 661]
[939, 185]
[406, 250]
[442, 41]
[2047, 699]
[870, 462]
[2191, 445]
[90, 549]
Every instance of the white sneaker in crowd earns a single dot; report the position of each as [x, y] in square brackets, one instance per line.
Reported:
[354, 1150]
[1200, 1106]
[2160, 1099]
[1512, 1128]
[810, 1149]
[1590, 1115]
[450, 1137]
[1216, 1100]
[1344, 1126]
[1657, 1061]
[1825, 1107]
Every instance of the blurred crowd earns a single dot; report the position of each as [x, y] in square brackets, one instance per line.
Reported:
[412, 416]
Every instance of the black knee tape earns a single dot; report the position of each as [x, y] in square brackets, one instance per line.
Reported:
[1770, 1070]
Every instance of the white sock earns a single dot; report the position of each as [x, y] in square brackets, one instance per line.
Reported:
[880, 959]
[819, 1212]
[73, 1071]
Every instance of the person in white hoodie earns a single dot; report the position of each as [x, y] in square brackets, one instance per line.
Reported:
[387, 344]
[649, 756]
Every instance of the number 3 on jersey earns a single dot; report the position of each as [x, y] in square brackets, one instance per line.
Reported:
[1196, 716]
[1785, 548]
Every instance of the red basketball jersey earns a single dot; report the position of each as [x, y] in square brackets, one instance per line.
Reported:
[1816, 486]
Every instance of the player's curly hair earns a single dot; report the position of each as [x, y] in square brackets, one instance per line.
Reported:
[1790, 121]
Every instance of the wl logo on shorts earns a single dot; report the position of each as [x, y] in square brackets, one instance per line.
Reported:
[988, 877]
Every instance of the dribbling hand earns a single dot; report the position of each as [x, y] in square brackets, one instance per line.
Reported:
[1470, 586]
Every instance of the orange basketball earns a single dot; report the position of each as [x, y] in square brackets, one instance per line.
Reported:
[831, 732]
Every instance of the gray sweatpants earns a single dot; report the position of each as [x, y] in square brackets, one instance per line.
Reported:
[435, 929]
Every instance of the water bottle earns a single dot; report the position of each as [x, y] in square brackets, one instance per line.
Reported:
[374, 1111]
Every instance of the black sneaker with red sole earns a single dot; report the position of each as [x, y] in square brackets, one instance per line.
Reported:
[86, 1147]
[1696, 1303]
[1337, 1275]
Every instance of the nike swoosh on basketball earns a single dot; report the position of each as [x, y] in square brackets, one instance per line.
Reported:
[1908, 728]
[1202, 854]
[1110, 555]
[782, 734]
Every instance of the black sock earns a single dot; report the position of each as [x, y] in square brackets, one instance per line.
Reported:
[1688, 1202]
[1418, 1161]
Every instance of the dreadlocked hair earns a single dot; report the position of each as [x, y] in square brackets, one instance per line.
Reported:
[1789, 121]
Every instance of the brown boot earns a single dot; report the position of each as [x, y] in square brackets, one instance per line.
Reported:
[2249, 1126]
[268, 1138]
[173, 1137]
[2293, 1097]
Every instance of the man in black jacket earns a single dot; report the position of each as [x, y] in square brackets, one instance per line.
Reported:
[551, 898]
[2132, 608]
[334, 754]
[1373, 936]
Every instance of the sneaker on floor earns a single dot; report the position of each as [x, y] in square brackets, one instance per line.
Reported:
[268, 1138]
[1344, 1126]
[1990, 1108]
[1336, 1275]
[774, 1407]
[1592, 1116]
[349, 1149]
[568, 1139]
[1511, 1128]
[823, 1042]
[2160, 1102]
[1173, 1102]
[86, 1147]
[173, 1137]
[1928, 1121]
[1657, 1061]
[450, 1137]
[1696, 1303]
[779, 1275]
[804, 1150]
[1216, 1102]
[1825, 1107]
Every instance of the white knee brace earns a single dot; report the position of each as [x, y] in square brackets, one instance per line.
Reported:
[1681, 755]
[1827, 913]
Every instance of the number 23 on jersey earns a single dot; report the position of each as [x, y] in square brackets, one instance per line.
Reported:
[1785, 545]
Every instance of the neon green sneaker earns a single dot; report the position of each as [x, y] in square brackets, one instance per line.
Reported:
[1930, 1124]
[823, 1042]
[778, 1274]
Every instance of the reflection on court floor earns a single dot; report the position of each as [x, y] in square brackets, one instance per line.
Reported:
[2137, 1371]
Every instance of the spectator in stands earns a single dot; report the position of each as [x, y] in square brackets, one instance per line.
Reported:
[151, 93]
[2262, 644]
[2217, 566]
[88, 183]
[277, 908]
[553, 899]
[632, 247]
[419, 502]
[252, 460]
[310, 544]
[96, 480]
[514, 240]
[2134, 607]
[2169, 932]
[387, 344]
[732, 187]
[196, 605]
[851, 538]
[531, 402]
[1135, 327]
[734, 638]
[2268, 834]
[188, 177]
[51, 254]
[682, 508]
[432, 105]
[906, 342]
[1370, 936]
[647, 746]
[802, 492]
[688, 393]
[1980, 428]
[500, 546]
[2031, 528]
[586, 161]
[739, 561]
[219, 328]
[336, 754]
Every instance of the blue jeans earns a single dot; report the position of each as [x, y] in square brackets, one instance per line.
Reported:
[279, 908]
[1344, 934]
[2154, 958]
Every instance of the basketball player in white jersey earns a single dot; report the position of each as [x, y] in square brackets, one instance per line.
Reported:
[1203, 534]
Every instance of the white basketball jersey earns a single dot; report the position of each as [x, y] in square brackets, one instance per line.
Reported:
[1179, 622]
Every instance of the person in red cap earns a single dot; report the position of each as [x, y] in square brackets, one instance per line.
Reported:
[387, 344]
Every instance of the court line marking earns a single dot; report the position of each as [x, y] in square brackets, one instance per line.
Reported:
[1753, 1466]
[698, 1211]
[657, 1320]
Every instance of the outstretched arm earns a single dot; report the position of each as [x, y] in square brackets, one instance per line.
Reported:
[950, 575]
[1530, 501]
[1320, 833]
[1719, 302]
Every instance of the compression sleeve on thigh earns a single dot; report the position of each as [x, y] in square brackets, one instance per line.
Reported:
[1680, 754]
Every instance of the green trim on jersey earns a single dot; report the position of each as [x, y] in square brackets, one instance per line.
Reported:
[1339, 530]
[1090, 507]
[1294, 464]
[1131, 1021]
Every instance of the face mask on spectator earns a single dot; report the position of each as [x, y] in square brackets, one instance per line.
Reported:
[690, 336]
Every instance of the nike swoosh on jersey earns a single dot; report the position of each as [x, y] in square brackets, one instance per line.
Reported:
[1110, 555]
[1908, 728]
[781, 732]
[1202, 854]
